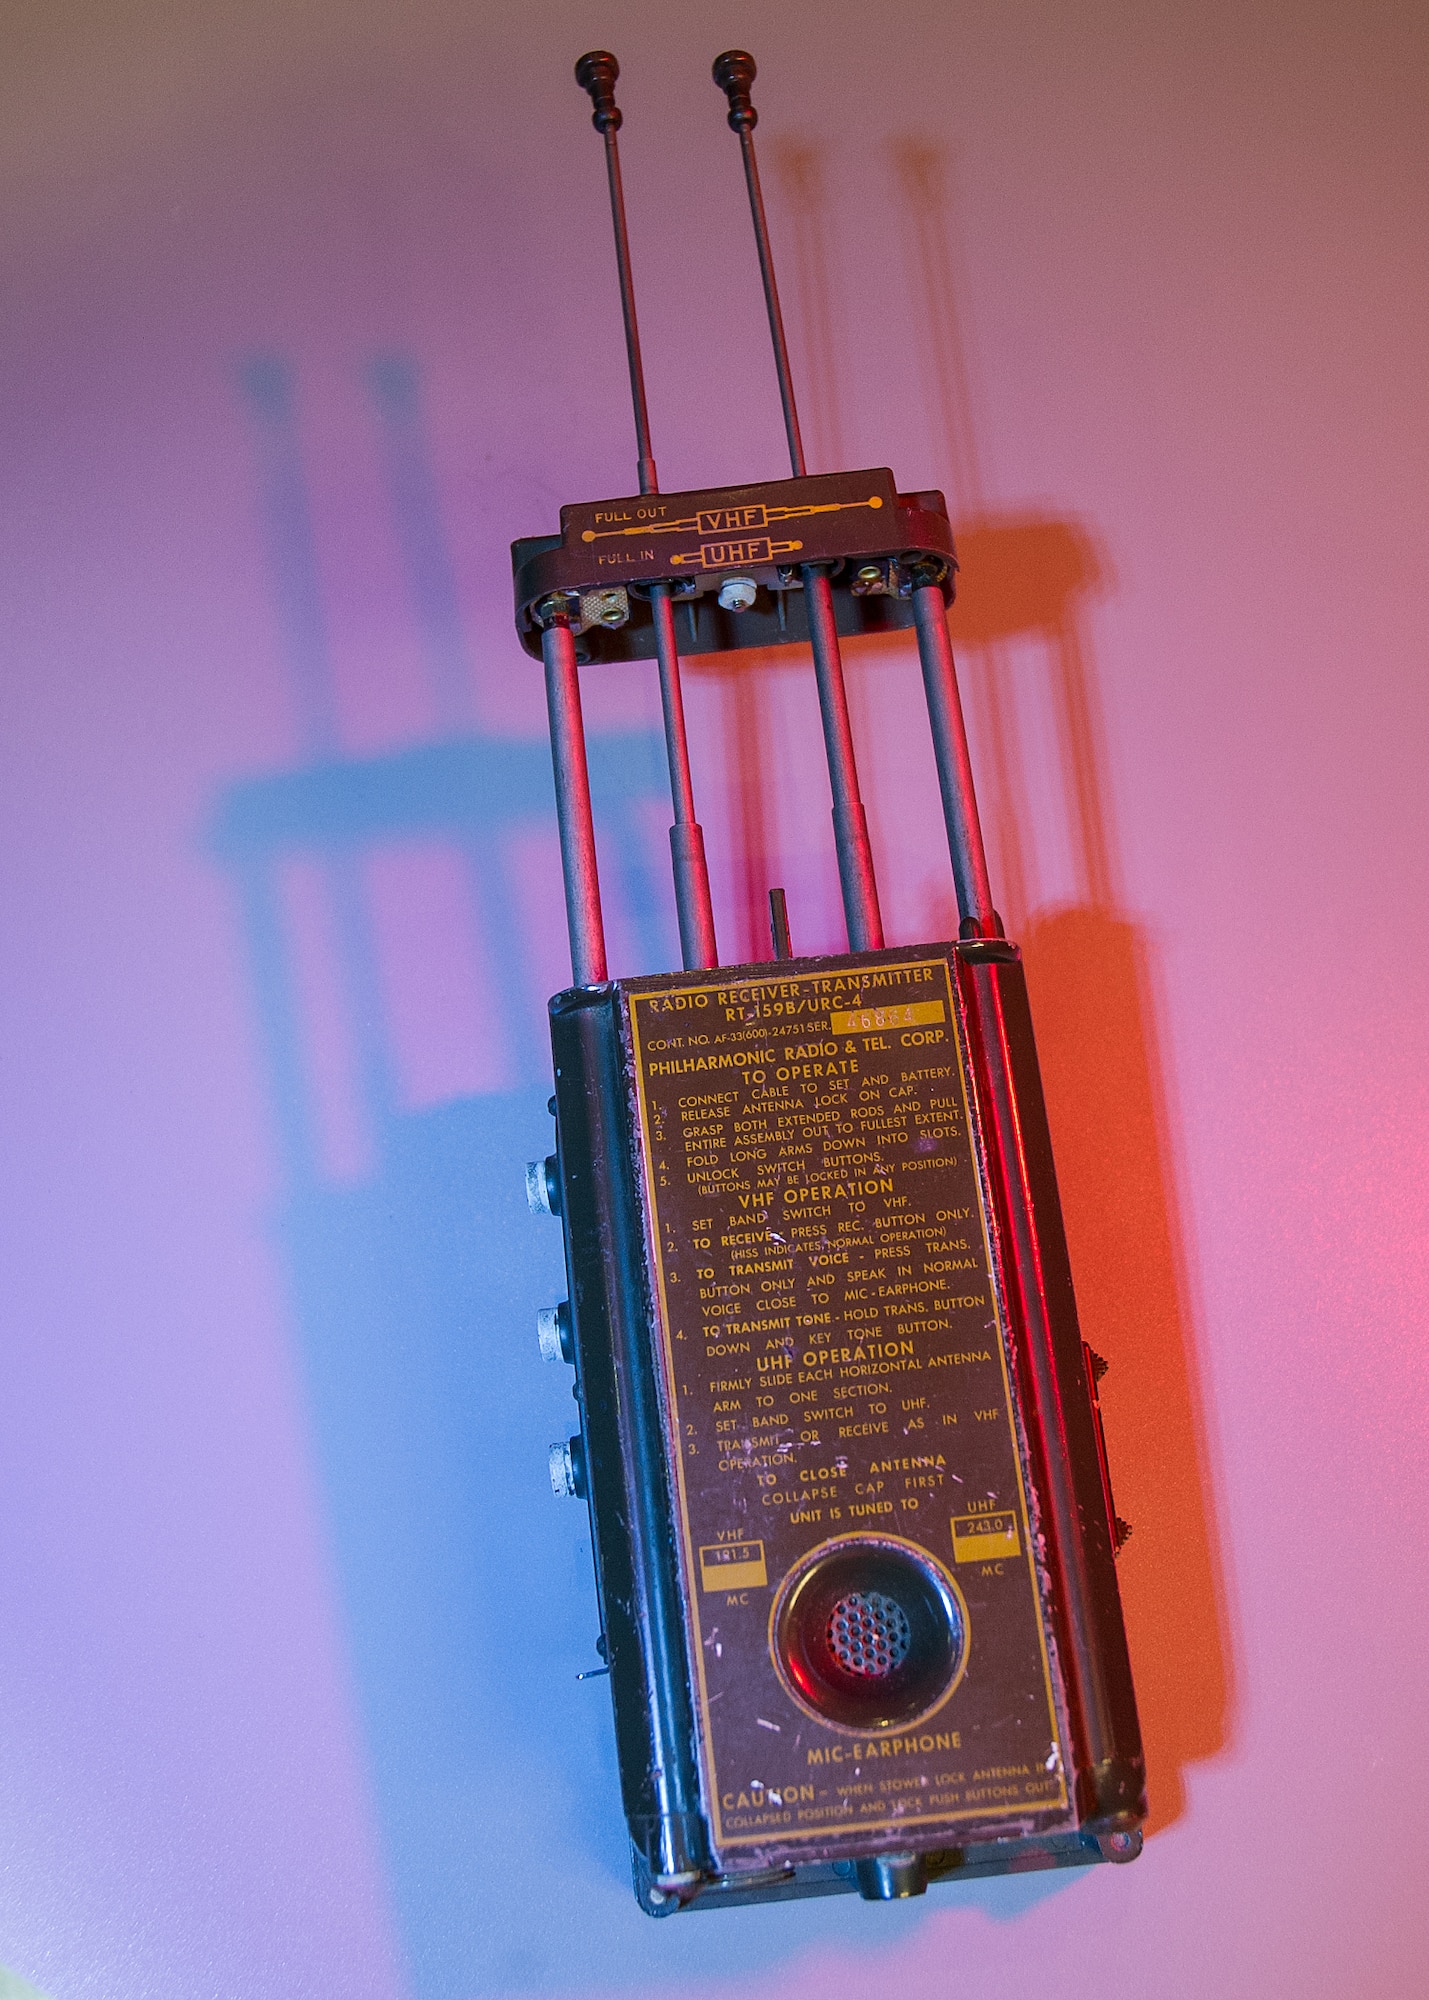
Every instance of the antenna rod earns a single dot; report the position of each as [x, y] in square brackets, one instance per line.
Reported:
[977, 916]
[734, 72]
[596, 74]
[573, 813]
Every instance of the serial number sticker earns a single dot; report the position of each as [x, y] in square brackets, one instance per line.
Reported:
[984, 1537]
[733, 1566]
[915, 1015]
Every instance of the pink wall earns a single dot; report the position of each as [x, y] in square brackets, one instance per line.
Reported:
[307, 310]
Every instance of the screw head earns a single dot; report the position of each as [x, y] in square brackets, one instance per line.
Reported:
[737, 593]
[1124, 1845]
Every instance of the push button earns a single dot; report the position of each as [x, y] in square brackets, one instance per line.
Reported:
[566, 1464]
[543, 1186]
[553, 1333]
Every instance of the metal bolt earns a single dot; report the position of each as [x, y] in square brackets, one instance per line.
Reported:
[737, 593]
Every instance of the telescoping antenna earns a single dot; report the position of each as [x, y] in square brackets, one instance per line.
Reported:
[596, 74]
[734, 72]
[862, 558]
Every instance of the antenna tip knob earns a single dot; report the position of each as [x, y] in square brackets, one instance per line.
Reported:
[596, 74]
[734, 72]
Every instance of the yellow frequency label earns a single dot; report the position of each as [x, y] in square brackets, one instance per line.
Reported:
[733, 1566]
[984, 1537]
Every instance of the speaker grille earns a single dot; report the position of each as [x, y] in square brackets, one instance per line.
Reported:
[869, 1634]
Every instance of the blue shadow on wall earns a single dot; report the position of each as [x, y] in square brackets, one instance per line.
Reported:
[467, 1590]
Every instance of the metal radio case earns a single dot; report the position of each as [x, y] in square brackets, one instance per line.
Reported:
[829, 1369]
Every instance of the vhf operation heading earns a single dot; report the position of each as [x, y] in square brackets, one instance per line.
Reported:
[839, 1432]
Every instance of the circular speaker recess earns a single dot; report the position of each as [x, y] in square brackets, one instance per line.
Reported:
[869, 1633]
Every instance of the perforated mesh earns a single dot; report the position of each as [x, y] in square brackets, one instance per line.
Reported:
[869, 1634]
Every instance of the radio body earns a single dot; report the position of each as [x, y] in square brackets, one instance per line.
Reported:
[839, 1434]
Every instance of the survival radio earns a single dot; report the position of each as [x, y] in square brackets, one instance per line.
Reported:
[839, 1434]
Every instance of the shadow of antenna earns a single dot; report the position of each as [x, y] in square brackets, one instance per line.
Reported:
[922, 172]
[394, 386]
[288, 533]
[408, 1301]
[799, 168]
[463, 786]
[1025, 584]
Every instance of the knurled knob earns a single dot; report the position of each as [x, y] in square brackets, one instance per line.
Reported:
[596, 74]
[734, 72]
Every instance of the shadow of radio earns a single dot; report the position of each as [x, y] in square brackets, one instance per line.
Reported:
[1091, 971]
[414, 1283]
